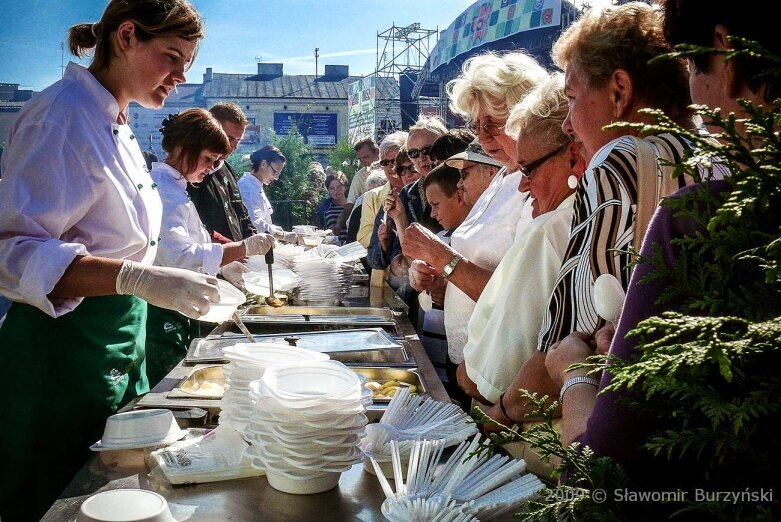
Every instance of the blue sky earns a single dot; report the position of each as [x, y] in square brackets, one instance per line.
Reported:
[238, 33]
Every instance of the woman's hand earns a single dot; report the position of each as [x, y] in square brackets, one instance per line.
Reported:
[421, 276]
[385, 235]
[573, 349]
[604, 338]
[393, 206]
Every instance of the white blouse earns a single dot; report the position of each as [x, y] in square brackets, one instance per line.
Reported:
[184, 242]
[258, 205]
[506, 321]
[483, 238]
[74, 183]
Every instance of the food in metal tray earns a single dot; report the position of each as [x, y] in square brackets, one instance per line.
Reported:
[388, 389]
[206, 382]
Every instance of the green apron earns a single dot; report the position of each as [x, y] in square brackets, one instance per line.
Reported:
[61, 378]
[168, 334]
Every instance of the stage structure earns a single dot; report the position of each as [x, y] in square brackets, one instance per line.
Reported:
[401, 54]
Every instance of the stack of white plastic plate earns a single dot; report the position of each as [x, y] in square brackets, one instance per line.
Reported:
[322, 282]
[248, 362]
[256, 281]
[306, 424]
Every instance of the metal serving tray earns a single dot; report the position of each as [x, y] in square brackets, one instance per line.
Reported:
[357, 346]
[322, 315]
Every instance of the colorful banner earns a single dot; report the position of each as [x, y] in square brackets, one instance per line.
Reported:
[361, 108]
[489, 20]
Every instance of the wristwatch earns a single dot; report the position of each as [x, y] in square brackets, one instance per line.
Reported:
[448, 268]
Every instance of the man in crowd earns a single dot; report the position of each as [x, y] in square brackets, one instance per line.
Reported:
[217, 197]
[368, 153]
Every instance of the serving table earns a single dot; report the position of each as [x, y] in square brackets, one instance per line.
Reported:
[357, 497]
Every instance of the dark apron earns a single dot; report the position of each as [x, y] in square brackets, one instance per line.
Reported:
[168, 334]
[60, 379]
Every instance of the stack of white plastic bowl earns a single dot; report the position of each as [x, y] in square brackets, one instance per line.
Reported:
[306, 424]
[248, 362]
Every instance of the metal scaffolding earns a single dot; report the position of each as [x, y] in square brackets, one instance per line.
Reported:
[401, 54]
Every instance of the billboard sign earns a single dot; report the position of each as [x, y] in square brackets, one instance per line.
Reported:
[490, 20]
[361, 108]
[317, 128]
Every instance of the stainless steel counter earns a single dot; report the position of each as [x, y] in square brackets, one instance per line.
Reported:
[357, 497]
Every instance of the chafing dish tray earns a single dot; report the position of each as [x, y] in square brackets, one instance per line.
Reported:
[324, 315]
[358, 346]
[203, 383]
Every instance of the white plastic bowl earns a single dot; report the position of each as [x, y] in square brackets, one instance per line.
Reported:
[139, 429]
[128, 505]
[286, 484]
[266, 354]
[329, 378]
[230, 299]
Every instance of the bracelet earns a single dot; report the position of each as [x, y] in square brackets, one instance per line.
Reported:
[504, 412]
[576, 380]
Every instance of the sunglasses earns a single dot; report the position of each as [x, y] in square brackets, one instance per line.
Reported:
[530, 167]
[465, 171]
[492, 129]
[405, 170]
[415, 153]
[386, 162]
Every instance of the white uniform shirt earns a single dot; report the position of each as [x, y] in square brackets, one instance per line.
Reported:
[184, 242]
[483, 238]
[505, 323]
[258, 205]
[74, 183]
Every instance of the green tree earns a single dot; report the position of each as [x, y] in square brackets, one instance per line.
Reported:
[344, 158]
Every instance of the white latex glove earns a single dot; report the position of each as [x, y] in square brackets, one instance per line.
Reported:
[286, 237]
[232, 273]
[185, 291]
[259, 244]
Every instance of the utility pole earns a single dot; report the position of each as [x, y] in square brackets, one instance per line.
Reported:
[62, 59]
[317, 55]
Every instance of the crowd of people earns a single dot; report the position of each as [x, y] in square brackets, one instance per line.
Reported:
[494, 233]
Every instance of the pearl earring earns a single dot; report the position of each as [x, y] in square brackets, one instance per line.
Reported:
[572, 181]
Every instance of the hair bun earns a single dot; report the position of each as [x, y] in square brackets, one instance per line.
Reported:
[168, 121]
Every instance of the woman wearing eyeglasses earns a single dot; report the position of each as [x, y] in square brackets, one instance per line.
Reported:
[489, 86]
[502, 332]
[267, 164]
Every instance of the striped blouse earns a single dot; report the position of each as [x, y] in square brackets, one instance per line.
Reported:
[602, 232]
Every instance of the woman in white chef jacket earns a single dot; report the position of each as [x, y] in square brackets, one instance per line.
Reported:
[194, 141]
[79, 224]
[267, 164]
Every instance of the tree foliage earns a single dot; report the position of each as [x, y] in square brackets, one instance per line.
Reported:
[344, 158]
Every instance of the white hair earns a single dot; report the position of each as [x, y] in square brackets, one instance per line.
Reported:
[541, 113]
[376, 178]
[495, 82]
[393, 141]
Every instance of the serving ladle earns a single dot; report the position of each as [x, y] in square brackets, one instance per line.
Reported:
[273, 299]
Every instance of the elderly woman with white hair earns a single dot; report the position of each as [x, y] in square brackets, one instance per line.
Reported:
[489, 86]
[502, 333]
